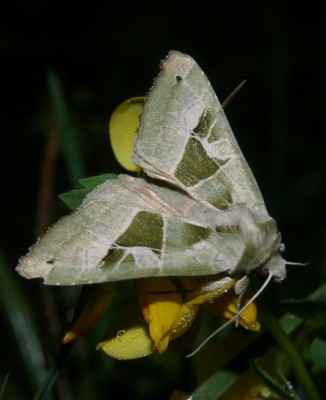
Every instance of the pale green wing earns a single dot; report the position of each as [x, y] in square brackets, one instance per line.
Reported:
[129, 228]
[184, 138]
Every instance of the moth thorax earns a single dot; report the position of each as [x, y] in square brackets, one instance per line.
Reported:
[257, 241]
[255, 227]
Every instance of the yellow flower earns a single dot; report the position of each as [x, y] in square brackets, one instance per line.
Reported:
[167, 309]
[161, 304]
[226, 307]
[122, 131]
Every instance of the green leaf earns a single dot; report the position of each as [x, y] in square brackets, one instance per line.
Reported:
[288, 347]
[92, 181]
[4, 384]
[19, 320]
[318, 353]
[74, 198]
[214, 386]
[285, 393]
[306, 308]
[69, 134]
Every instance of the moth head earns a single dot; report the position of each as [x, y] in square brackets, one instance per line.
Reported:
[274, 265]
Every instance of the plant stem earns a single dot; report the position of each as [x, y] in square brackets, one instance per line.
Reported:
[52, 376]
[287, 346]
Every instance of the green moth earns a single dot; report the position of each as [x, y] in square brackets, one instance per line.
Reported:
[198, 211]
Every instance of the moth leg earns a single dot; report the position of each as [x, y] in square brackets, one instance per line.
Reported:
[240, 289]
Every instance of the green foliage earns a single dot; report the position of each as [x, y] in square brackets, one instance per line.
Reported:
[74, 198]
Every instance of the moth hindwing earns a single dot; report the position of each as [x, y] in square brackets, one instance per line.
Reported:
[199, 211]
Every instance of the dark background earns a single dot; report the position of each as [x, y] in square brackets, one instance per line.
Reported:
[109, 51]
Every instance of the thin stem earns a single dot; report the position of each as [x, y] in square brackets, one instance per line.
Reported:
[4, 385]
[53, 374]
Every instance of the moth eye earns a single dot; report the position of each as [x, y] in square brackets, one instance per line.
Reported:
[281, 248]
[262, 273]
[178, 78]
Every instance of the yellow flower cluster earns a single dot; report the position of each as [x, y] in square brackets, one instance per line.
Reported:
[168, 308]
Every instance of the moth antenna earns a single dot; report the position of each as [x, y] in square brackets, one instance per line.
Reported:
[233, 94]
[297, 263]
[270, 276]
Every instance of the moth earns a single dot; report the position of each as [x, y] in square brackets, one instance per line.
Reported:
[198, 211]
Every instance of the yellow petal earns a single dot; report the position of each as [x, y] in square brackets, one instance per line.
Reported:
[122, 130]
[199, 293]
[215, 292]
[93, 302]
[128, 338]
[161, 303]
[182, 339]
[128, 344]
[184, 319]
[226, 307]
[207, 289]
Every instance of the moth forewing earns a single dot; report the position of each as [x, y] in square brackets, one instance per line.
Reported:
[185, 139]
[129, 228]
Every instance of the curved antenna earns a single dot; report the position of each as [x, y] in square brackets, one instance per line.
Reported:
[270, 276]
[233, 94]
[297, 263]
